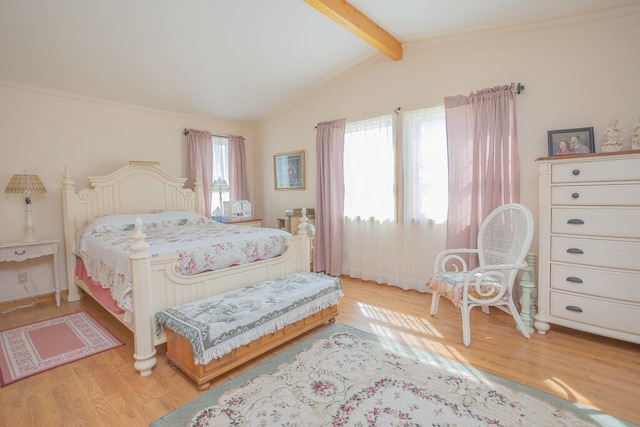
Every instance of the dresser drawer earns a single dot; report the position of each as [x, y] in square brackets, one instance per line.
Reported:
[612, 170]
[612, 222]
[601, 313]
[596, 195]
[612, 284]
[596, 252]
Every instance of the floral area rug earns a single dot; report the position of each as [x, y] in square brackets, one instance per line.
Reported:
[346, 377]
[37, 347]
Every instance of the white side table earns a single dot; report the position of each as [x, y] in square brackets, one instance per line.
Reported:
[23, 251]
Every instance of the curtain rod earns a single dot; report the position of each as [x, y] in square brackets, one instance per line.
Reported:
[519, 88]
[186, 132]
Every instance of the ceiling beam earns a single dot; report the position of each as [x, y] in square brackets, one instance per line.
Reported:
[356, 22]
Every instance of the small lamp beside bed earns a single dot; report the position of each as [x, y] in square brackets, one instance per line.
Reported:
[219, 186]
[26, 184]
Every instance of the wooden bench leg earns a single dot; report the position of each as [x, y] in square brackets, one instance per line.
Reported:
[205, 386]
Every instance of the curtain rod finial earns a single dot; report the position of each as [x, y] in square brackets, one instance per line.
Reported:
[519, 88]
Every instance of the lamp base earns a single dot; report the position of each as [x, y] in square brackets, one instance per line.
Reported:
[29, 237]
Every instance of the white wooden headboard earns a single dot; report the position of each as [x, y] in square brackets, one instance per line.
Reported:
[135, 188]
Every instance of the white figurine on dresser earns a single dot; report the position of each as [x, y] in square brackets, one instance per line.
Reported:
[588, 270]
[635, 136]
[613, 138]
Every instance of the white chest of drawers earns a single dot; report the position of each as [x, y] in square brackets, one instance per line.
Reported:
[589, 268]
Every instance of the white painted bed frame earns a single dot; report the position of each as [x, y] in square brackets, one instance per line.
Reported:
[143, 188]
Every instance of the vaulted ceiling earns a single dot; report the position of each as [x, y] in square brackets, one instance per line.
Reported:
[234, 60]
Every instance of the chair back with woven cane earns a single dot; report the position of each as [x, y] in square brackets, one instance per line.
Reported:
[503, 241]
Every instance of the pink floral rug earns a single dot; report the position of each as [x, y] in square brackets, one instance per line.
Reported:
[345, 377]
[37, 347]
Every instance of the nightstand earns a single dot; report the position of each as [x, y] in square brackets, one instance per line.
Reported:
[19, 252]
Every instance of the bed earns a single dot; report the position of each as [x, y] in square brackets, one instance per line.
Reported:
[156, 280]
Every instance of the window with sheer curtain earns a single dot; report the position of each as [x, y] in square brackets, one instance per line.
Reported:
[424, 145]
[370, 167]
[220, 168]
[395, 197]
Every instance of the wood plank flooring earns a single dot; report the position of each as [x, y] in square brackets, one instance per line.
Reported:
[105, 390]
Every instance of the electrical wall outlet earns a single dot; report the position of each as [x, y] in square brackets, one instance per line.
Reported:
[22, 278]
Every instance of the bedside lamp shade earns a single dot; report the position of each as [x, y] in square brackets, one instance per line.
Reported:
[27, 185]
[219, 186]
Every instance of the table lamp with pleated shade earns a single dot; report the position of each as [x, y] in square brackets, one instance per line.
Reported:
[27, 185]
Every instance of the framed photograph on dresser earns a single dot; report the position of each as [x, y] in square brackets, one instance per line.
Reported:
[571, 141]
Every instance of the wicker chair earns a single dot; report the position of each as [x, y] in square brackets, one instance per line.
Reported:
[503, 241]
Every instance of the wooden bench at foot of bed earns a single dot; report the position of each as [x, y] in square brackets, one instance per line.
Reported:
[209, 337]
[180, 353]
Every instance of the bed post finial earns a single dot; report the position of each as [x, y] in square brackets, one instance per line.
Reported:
[304, 221]
[67, 180]
[139, 246]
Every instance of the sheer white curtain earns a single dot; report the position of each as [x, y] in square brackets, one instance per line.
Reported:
[369, 169]
[220, 157]
[369, 201]
[424, 191]
[378, 244]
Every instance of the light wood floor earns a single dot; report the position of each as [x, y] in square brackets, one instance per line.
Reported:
[104, 389]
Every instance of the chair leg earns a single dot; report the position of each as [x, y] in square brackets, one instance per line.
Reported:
[521, 326]
[435, 299]
[466, 326]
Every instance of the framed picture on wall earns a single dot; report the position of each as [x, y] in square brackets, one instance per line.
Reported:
[288, 170]
[571, 141]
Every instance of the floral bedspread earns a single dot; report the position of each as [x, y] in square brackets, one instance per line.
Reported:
[200, 244]
[218, 324]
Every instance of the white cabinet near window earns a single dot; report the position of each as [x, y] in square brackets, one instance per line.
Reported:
[589, 265]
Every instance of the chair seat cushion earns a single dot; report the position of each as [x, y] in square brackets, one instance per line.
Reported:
[451, 286]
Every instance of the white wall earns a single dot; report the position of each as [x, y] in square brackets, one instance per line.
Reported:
[44, 131]
[576, 75]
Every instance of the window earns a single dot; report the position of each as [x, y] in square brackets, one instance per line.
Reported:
[425, 161]
[220, 169]
[371, 169]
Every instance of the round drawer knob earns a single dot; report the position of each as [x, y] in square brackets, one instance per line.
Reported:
[576, 172]
[575, 195]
